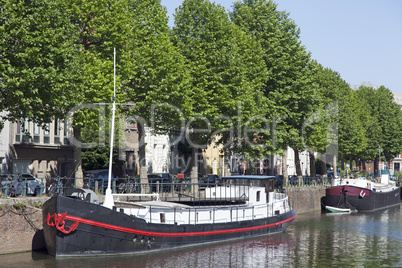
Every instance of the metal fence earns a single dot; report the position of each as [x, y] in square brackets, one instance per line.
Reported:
[180, 188]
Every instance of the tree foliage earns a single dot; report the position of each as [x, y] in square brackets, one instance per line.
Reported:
[383, 122]
[38, 60]
[227, 73]
[242, 76]
[288, 87]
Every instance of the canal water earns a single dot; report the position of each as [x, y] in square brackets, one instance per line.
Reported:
[312, 240]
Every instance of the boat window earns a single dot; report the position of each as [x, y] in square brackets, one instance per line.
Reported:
[162, 216]
[237, 181]
[258, 196]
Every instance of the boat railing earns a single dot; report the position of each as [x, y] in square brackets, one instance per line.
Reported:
[55, 186]
[279, 196]
[208, 215]
[183, 192]
[156, 195]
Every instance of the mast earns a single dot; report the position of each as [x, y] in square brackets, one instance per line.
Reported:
[108, 202]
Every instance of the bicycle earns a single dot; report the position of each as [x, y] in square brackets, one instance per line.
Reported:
[55, 188]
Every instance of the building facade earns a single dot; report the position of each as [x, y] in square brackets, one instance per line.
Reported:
[43, 151]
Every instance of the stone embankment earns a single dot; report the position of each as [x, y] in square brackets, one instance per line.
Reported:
[21, 218]
[305, 199]
[20, 223]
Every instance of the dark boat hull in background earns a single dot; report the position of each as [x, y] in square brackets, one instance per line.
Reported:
[73, 227]
[361, 199]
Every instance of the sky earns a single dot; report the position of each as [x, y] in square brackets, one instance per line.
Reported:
[359, 39]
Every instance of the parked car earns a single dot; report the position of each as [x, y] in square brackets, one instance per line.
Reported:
[161, 178]
[99, 175]
[293, 180]
[5, 180]
[307, 180]
[209, 181]
[26, 182]
[318, 178]
[279, 181]
[181, 183]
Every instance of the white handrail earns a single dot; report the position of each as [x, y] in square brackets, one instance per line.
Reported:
[157, 195]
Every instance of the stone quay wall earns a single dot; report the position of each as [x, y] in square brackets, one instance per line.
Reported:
[21, 218]
[20, 223]
[305, 199]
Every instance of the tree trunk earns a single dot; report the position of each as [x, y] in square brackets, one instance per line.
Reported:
[342, 163]
[312, 165]
[285, 168]
[194, 170]
[78, 174]
[350, 162]
[334, 165]
[194, 163]
[298, 168]
[323, 164]
[226, 163]
[142, 159]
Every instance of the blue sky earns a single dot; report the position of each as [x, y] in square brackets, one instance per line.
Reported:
[359, 39]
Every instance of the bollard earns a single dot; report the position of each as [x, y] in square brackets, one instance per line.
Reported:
[24, 187]
[41, 187]
[96, 186]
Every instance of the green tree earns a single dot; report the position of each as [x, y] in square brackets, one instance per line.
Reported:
[367, 98]
[38, 60]
[59, 55]
[352, 138]
[149, 70]
[390, 119]
[288, 87]
[226, 69]
[383, 123]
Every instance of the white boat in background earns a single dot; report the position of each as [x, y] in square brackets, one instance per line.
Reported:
[338, 210]
[362, 195]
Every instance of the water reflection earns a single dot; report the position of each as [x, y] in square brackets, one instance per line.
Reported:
[313, 240]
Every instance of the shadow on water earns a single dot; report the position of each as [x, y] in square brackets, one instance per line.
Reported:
[38, 241]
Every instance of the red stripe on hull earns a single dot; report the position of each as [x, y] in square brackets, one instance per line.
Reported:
[134, 231]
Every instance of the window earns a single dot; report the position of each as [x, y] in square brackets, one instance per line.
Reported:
[258, 196]
[66, 133]
[131, 123]
[57, 131]
[36, 133]
[25, 131]
[130, 160]
[46, 138]
[18, 132]
[162, 217]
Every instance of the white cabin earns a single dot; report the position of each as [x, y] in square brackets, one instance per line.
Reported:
[245, 198]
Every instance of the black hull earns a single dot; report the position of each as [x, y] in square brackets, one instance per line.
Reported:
[103, 231]
[361, 199]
